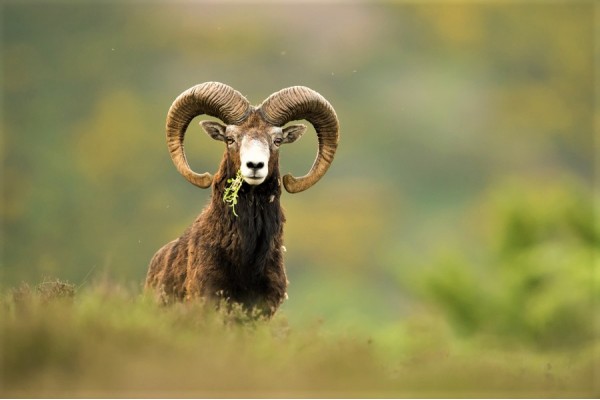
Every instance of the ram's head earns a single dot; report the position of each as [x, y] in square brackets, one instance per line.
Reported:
[253, 134]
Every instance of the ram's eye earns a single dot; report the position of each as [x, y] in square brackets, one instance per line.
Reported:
[229, 140]
[277, 141]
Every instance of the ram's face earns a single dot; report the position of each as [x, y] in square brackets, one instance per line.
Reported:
[253, 147]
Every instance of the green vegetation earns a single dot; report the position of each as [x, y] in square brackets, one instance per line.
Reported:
[231, 191]
[523, 325]
[452, 248]
[541, 283]
[108, 341]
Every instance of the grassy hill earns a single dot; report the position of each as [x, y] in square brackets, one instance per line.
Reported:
[104, 340]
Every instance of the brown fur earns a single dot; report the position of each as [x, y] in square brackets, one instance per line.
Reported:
[221, 256]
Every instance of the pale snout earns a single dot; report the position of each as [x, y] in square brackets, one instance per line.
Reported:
[254, 158]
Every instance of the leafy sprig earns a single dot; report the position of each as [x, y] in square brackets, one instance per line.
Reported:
[231, 192]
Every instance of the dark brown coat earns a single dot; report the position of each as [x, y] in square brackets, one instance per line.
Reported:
[221, 256]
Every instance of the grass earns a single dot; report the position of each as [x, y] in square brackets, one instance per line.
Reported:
[108, 341]
[231, 192]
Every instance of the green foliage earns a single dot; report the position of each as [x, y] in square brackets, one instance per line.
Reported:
[537, 283]
[231, 191]
[107, 341]
[460, 295]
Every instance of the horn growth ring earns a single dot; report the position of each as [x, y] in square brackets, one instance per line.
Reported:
[210, 98]
[300, 102]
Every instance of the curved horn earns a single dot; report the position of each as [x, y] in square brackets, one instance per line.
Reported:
[299, 102]
[211, 98]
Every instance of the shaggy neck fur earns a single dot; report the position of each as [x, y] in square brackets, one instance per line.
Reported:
[249, 239]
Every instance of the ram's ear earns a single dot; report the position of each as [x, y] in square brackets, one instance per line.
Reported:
[293, 132]
[214, 129]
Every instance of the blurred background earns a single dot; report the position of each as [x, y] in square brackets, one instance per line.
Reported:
[462, 187]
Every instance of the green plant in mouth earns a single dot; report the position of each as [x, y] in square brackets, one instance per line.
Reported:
[231, 191]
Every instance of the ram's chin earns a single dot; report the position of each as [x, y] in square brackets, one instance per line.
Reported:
[254, 181]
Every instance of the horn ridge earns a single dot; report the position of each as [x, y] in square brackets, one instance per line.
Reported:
[300, 102]
[211, 98]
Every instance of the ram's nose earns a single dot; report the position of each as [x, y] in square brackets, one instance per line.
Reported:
[254, 172]
[255, 166]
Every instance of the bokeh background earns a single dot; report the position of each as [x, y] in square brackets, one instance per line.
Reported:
[462, 187]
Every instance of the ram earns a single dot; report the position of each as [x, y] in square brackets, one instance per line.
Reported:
[233, 251]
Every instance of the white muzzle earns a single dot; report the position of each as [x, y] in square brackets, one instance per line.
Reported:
[254, 158]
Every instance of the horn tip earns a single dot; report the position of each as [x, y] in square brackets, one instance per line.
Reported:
[201, 180]
[292, 185]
